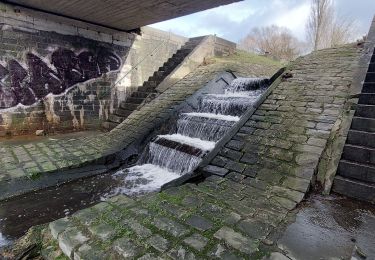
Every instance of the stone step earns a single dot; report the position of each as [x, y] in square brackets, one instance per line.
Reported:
[140, 94]
[147, 87]
[370, 77]
[360, 154]
[373, 58]
[159, 74]
[129, 106]
[167, 69]
[134, 100]
[363, 124]
[361, 138]
[151, 85]
[178, 57]
[109, 125]
[371, 67]
[184, 51]
[365, 111]
[358, 171]
[367, 98]
[354, 189]
[156, 79]
[179, 146]
[124, 113]
[115, 119]
[368, 88]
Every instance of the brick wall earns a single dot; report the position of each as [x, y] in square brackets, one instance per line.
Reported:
[60, 74]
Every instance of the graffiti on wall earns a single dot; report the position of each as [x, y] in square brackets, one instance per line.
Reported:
[27, 86]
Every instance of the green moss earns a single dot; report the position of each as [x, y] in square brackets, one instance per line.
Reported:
[250, 58]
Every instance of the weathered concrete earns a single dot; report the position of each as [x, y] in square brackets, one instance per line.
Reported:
[102, 69]
[122, 15]
[27, 167]
[270, 170]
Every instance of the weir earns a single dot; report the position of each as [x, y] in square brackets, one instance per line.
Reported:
[173, 155]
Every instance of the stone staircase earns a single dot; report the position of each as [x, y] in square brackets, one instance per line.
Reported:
[148, 89]
[356, 172]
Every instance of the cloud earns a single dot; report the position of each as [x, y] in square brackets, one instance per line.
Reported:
[235, 20]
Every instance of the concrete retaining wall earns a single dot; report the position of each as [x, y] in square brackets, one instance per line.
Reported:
[61, 74]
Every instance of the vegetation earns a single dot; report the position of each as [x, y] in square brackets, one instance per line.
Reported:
[273, 40]
[325, 29]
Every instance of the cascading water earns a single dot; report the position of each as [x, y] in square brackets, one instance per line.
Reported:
[171, 156]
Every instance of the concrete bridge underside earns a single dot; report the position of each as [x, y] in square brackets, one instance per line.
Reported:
[121, 14]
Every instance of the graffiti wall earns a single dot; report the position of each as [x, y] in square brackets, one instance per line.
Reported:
[26, 86]
[55, 82]
[60, 77]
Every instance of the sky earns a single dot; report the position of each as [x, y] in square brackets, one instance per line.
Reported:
[234, 21]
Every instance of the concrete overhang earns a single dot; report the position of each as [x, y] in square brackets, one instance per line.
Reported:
[124, 15]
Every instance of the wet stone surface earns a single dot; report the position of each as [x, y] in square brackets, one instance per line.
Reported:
[330, 228]
[224, 216]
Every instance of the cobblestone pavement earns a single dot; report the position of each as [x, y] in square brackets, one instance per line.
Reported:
[29, 161]
[259, 178]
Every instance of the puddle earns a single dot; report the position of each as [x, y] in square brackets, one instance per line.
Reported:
[329, 228]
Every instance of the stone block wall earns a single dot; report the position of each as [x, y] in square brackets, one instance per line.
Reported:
[58, 74]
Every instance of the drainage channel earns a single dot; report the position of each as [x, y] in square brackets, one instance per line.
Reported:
[166, 158]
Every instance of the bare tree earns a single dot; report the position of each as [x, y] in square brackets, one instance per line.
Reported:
[342, 31]
[273, 40]
[324, 29]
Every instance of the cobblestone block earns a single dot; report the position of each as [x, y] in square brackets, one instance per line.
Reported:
[89, 251]
[234, 176]
[293, 195]
[159, 243]
[280, 154]
[212, 169]
[86, 216]
[127, 248]
[236, 240]
[71, 238]
[308, 148]
[221, 252]
[235, 166]
[231, 154]
[58, 226]
[199, 223]
[235, 145]
[181, 253]
[307, 159]
[103, 231]
[283, 202]
[170, 226]
[317, 142]
[196, 241]
[297, 184]
[219, 161]
[249, 158]
[139, 229]
[151, 257]
[253, 228]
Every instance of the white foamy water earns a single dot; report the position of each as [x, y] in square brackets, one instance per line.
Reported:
[194, 142]
[228, 94]
[3, 241]
[144, 178]
[215, 116]
[241, 84]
